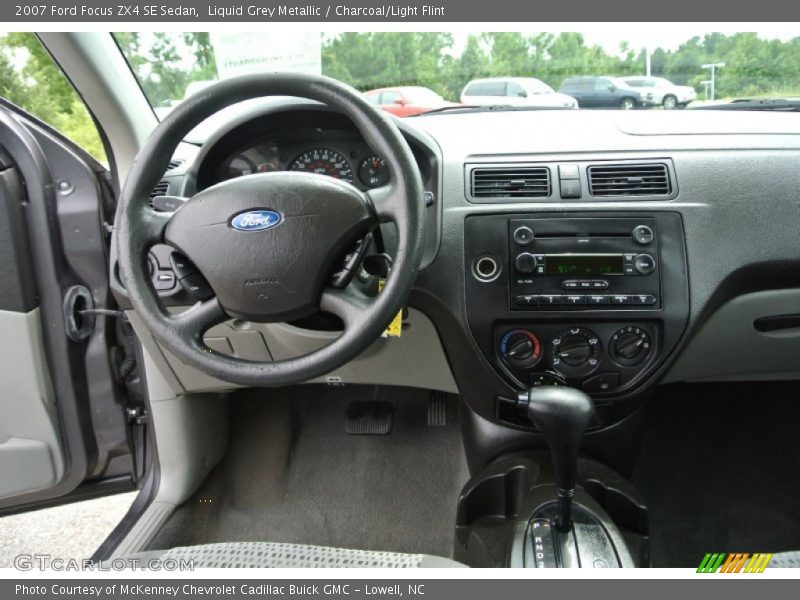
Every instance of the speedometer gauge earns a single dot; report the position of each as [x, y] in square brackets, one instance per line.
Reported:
[324, 161]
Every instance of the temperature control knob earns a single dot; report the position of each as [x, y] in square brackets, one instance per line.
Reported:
[520, 348]
[630, 345]
[576, 352]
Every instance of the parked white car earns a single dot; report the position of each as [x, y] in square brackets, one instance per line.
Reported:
[663, 92]
[514, 91]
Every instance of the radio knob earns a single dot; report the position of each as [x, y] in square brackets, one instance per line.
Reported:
[642, 234]
[523, 235]
[644, 264]
[525, 263]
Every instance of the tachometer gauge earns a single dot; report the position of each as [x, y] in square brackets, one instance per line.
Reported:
[373, 171]
[324, 161]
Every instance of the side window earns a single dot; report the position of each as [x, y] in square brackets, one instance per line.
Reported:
[602, 85]
[515, 89]
[487, 88]
[30, 79]
[373, 98]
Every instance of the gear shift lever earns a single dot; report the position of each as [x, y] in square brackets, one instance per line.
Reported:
[562, 415]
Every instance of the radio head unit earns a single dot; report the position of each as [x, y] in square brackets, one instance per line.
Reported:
[581, 263]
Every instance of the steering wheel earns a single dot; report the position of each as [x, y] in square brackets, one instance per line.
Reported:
[267, 243]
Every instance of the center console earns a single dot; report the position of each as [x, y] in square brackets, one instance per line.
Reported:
[591, 300]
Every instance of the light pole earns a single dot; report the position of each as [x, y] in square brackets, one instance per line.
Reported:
[713, 67]
[705, 83]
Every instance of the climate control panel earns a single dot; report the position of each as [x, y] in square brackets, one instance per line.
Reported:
[598, 358]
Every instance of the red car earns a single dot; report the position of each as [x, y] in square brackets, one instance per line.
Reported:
[407, 100]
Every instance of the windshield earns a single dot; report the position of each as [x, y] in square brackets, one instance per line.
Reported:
[436, 67]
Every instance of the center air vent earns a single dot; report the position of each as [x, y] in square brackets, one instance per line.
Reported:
[629, 180]
[512, 182]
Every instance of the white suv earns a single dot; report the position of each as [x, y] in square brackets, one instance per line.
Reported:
[514, 91]
[663, 92]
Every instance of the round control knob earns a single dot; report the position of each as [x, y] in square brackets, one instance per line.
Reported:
[642, 234]
[630, 345]
[576, 352]
[523, 235]
[644, 264]
[520, 348]
[525, 263]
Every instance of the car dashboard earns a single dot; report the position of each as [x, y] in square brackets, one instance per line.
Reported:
[603, 250]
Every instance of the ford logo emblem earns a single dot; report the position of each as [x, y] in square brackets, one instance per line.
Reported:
[255, 220]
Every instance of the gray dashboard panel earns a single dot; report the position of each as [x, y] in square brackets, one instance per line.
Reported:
[737, 180]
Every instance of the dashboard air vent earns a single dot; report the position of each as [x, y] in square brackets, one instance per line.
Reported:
[161, 189]
[629, 180]
[511, 182]
[175, 163]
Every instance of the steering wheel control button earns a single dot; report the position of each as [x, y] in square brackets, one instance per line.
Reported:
[643, 235]
[197, 287]
[164, 280]
[525, 263]
[644, 264]
[523, 235]
[520, 348]
[181, 265]
[630, 345]
[602, 382]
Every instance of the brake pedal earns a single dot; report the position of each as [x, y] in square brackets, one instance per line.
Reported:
[369, 418]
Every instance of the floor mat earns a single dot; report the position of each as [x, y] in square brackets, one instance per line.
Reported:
[292, 474]
[720, 470]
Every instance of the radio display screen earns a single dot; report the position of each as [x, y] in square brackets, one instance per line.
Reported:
[585, 264]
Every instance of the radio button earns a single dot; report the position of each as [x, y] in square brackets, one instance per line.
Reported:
[525, 263]
[585, 284]
[571, 284]
[644, 264]
[621, 299]
[526, 300]
[644, 299]
[573, 299]
[598, 300]
[523, 235]
[642, 234]
[549, 299]
[599, 284]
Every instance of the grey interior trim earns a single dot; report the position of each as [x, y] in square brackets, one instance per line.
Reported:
[95, 66]
[389, 361]
[191, 436]
[31, 452]
[728, 347]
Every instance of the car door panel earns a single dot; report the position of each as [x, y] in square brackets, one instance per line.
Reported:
[62, 419]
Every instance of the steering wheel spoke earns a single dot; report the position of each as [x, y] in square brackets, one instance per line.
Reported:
[201, 317]
[154, 225]
[386, 201]
[349, 304]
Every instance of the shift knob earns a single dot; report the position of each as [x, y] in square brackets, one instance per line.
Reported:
[561, 414]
